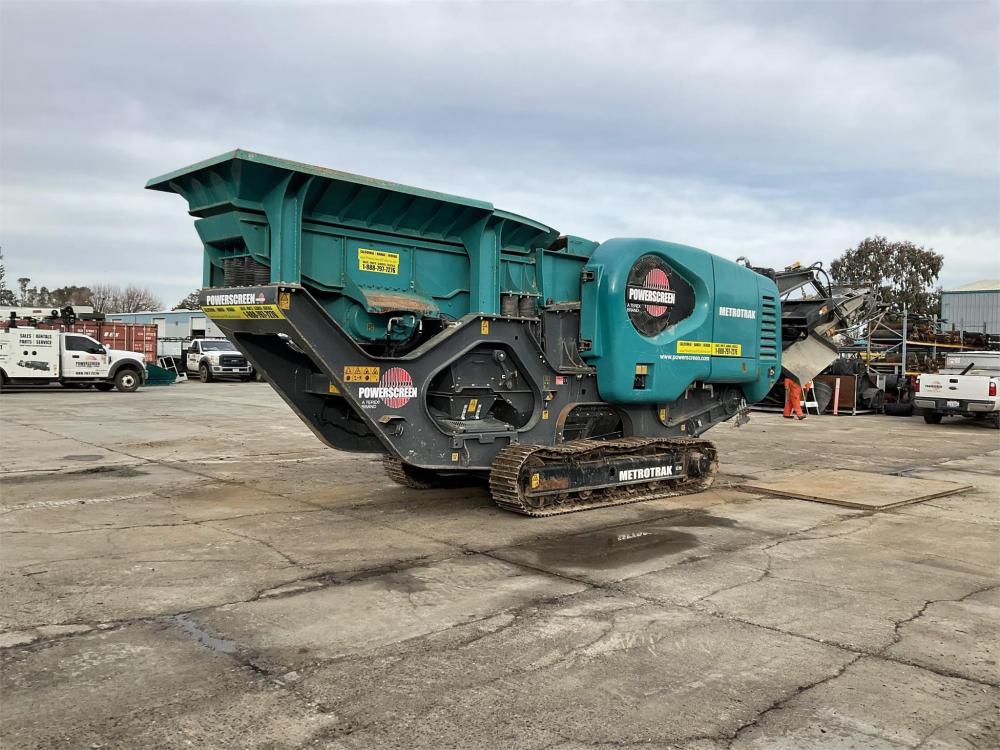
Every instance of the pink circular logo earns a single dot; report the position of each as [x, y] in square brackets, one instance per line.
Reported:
[398, 387]
[657, 279]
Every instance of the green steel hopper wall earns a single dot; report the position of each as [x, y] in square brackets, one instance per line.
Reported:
[307, 224]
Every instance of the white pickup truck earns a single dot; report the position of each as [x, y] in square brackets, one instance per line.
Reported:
[33, 356]
[966, 387]
[214, 358]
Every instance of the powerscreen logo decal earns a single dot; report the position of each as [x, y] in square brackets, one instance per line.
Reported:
[656, 296]
[395, 389]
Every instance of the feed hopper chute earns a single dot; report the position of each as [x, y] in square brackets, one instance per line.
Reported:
[457, 338]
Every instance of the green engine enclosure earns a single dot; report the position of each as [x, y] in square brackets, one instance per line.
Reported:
[733, 310]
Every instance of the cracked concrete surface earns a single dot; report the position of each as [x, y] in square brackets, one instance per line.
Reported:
[188, 567]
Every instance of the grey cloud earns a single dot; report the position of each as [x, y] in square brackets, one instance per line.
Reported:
[787, 129]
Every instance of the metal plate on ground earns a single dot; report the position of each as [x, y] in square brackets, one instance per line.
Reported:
[853, 489]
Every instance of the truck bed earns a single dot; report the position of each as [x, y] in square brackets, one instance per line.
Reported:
[952, 393]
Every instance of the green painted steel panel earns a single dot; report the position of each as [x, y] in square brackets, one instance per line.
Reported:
[307, 224]
[726, 312]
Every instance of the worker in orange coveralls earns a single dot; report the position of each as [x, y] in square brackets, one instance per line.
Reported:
[793, 399]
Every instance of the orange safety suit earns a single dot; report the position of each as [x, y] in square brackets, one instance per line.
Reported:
[793, 398]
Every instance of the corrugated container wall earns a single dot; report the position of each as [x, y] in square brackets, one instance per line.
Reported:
[173, 324]
[977, 311]
[116, 335]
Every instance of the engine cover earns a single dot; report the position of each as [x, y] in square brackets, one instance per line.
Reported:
[657, 317]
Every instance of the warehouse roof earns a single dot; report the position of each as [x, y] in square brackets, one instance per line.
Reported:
[988, 285]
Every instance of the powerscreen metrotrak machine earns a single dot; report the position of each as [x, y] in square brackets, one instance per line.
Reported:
[456, 338]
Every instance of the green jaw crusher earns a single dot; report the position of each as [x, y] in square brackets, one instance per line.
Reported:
[456, 338]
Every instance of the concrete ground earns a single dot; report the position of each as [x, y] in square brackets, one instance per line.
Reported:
[188, 567]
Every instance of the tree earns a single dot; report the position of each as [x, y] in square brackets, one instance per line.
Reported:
[189, 303]
[136, 298]
[69, 295]
[6, 295]
[26, 294]
[102, 297]
[903, 273]
[111, 298]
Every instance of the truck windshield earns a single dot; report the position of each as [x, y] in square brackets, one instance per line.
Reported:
[217, 346]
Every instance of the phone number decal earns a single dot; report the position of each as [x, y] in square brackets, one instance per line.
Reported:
[710, 348]
[377, 261]
[243, 312]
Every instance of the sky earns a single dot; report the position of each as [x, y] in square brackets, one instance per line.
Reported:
[780, 131]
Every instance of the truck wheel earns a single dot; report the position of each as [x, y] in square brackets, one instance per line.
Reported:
[204, 374]
[127, 380]
[932, 417]
[105, 387]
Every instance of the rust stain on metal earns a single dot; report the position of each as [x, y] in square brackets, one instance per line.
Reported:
[554, 483]
[392, 301]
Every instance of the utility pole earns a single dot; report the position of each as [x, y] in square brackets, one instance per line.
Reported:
[902, 372]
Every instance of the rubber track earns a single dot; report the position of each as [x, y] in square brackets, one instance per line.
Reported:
[505, 484]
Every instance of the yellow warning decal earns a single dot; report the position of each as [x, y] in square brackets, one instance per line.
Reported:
[727, 350]
[536, 480]
[243, 312]
[284, 300]
[694, 347]
[377, 261]
[361, 374]
[710, 348]
[333, 388]
[484, 327]
[473, 403]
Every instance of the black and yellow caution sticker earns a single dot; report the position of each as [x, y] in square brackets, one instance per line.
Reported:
[377, 261]
[243, 312]
[361, 374]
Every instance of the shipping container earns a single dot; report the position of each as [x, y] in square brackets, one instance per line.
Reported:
[174, 324]
[114, 335]
[123, 336]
